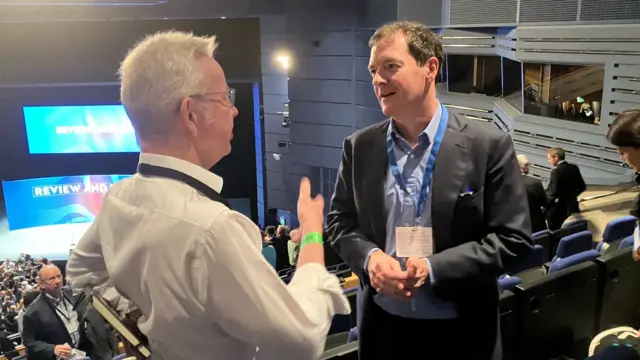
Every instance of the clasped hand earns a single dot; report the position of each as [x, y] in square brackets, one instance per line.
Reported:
[387, 276]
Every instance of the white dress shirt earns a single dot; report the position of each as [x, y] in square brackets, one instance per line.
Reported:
[195, 270]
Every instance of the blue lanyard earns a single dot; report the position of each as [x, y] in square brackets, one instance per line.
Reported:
[395, 169]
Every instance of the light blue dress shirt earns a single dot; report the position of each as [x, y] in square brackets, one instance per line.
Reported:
[400, 209]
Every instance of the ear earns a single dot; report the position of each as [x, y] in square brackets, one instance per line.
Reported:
[432, 67]
[188, 117]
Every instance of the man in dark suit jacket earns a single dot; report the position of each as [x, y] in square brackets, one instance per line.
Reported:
[6, 345]
[565, 185]
[45, 333]
[471, 222]
[280, 242]
[536, 196]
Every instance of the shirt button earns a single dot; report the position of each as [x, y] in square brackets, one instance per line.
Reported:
[409, 191]
[412, 156]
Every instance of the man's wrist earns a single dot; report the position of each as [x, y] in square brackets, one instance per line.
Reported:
[432, 279]
[311, 238]
[365, 265]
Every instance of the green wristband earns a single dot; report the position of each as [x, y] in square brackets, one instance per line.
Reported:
[311, 238]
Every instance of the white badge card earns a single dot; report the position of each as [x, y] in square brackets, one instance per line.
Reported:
[414, 241]
[77, 354]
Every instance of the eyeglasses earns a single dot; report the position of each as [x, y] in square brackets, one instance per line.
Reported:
[52, 279]
[229, 101]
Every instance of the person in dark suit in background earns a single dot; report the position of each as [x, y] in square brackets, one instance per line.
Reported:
[51, 328]
[565, 185]
[280, 242]
[6, 345]
[536, 196]
[427, 251]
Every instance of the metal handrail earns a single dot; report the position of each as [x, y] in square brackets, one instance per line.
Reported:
[594, 197]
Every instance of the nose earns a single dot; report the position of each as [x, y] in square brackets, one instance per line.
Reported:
[378, 79]
[235, 111]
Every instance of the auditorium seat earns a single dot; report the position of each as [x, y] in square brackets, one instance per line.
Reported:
[581, 224]
[614, 232]
[532, 267]
[544, 238]
[573, 244]
[573, 260]
[508, 324]
[626, 242]
[332, 268]
[353, 335]
[508, 282]
[557, 314]
[618, 294]
[569, 228]
[347, 351]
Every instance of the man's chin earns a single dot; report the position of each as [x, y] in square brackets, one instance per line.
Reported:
[387, 111]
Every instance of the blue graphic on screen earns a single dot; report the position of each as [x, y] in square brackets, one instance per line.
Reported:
[55, 200]
[79, 129]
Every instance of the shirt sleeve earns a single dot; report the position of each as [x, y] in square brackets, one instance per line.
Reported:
[86, 267]
[246, 298]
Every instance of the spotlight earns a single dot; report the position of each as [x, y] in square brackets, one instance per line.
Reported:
[284, 60]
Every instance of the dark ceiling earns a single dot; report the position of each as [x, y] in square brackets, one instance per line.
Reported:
[173, 9]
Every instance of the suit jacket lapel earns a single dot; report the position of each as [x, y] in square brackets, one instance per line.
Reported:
[376, 170]
[53, 308]
[448, 178]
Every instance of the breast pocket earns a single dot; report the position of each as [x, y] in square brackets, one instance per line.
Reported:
[473, 199]
[471, 207]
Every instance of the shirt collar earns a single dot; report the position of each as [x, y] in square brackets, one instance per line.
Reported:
[429, 131]
[55, 301]
[208, 178]
[559, 162]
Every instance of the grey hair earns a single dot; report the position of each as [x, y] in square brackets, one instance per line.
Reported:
[523, 160]
[157, 74]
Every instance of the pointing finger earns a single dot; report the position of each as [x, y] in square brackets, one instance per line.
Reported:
[305, 187]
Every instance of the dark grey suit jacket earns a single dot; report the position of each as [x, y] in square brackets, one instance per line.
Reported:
[476, 237]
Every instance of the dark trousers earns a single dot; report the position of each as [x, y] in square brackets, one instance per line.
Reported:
[386, 337]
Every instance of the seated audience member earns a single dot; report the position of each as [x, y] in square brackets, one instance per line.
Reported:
[293, 247]
[51, 328]
[11, 323]
[167, 239]
[6, 345]
[269, 235]
[280, 244]
[624, 133]
[29, 297]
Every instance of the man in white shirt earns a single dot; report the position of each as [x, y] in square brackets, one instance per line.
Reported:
[192, 266]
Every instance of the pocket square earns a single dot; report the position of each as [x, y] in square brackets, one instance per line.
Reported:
[467, 192]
